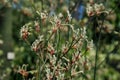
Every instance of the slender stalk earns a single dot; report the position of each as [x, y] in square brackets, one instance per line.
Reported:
[39, 70]
[97, 50]
[95, 68]
[42, 4]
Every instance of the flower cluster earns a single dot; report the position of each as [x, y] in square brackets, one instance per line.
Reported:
[37, 43]
[24, 32]
[95, 9]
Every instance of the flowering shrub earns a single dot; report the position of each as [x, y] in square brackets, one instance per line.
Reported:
[61, 40]
[61, 48]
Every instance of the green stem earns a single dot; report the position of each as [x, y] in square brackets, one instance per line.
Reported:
[96, 57]
[97, 49]
[39, 77]
[38, 68]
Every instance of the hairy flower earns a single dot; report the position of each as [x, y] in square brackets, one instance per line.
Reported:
[64, 49]
[99, 8]
[90, 45]
[90, 10]
[57, 21]
[60, 15]
[51, 49]
[23, 72]
[95, 9]
[24, 32]
[36, 44]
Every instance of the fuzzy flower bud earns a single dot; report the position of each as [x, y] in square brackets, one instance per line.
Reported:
[36, 44]
[50, 49]
[24, 32]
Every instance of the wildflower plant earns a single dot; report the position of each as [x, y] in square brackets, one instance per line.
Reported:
[60, 46]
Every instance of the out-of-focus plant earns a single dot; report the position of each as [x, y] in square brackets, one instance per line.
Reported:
[3, 73]
[98, 13]
[104, 35]
[1, 61]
